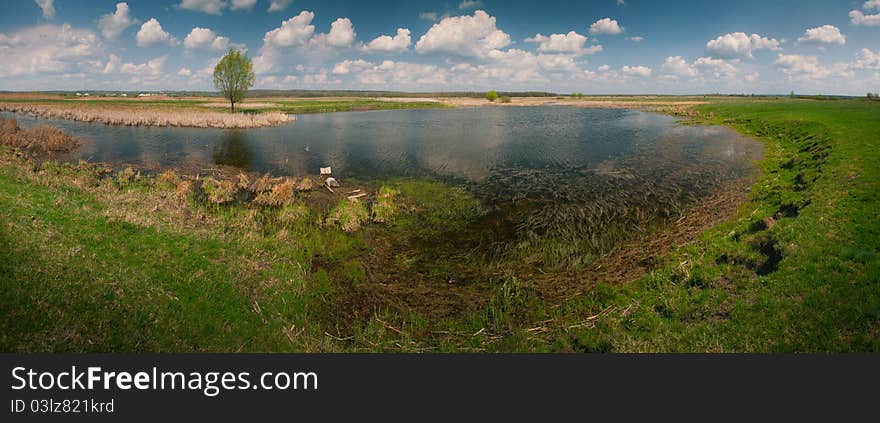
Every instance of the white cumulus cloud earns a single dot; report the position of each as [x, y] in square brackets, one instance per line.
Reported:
[802, 67]
[151, 33]
[605, 26]
[388, 44]
[112, 24]
[676, 65]
[341, 35]
[470, 4]
[572, 43]
[827, 34]
[242, 4]
[859, 18]
[346, 67]
[640, 71]
[294, 31]
[740, 45]
[212, 7]
[473, 36]
[867, 59]
[718, 68]
[204, 38]
[50, 49]
[279, 5]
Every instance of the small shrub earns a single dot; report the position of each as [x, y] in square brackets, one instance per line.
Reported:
[492, 95]
[505, 99]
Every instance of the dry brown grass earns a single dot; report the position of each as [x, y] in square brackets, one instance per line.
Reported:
[280, 195]
[40, 139]
[146, 116]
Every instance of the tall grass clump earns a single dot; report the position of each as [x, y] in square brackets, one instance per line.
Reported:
[40, 139]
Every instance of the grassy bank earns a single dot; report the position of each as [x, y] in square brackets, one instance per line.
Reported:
[85, 268]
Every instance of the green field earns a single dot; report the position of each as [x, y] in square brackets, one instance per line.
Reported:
[84, 267]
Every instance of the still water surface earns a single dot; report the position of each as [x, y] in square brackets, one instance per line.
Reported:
[475, 146]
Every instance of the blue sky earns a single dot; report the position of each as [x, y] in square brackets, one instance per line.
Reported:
[595, 47]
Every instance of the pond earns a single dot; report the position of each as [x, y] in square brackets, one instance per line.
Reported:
[549, 171]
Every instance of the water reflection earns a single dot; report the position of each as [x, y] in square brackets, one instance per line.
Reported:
[501, 153]
[234, 150]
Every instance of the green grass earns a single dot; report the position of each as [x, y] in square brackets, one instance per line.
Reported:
[77, 275]
[723, 293]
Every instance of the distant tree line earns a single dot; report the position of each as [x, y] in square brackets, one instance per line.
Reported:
[873, 96]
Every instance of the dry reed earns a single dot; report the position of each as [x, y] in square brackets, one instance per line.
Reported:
[149, 116]
[41, 139]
